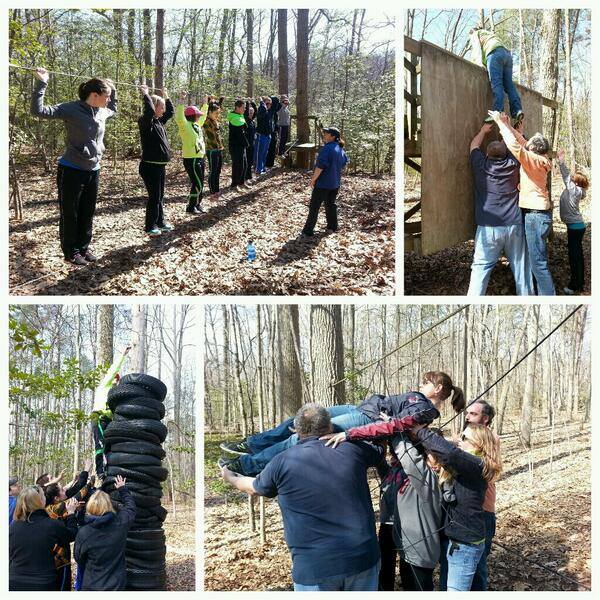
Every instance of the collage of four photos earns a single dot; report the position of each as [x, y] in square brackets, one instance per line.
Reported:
[249, 343]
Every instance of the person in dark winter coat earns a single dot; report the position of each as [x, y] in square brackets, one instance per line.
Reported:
[250, 116]
[32, 538]
[156, 153]
[265, 128]
[238, 143]
[100, 544]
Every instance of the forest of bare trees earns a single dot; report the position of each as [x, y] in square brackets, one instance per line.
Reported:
[263, 362]
[59, 353]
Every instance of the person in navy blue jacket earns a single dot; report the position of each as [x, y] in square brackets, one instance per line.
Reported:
[326, 181]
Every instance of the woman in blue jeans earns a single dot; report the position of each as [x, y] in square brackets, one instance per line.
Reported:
[422, 407]
[474, 463]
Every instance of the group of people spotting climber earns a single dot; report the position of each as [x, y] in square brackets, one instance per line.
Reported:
[437, 495]
[259, 130]
[513, 208]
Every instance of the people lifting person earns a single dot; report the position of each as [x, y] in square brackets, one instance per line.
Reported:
[100, 543]
[189, 121]
[156, 153]
[79, 166]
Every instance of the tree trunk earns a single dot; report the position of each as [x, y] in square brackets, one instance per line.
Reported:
[106, 325]
[261, 397]
[569, 83]
[147, 46]
[250, 53]
[282, 51]
[548, 69]
[528, 394]
[78, 394]
[131, 31]
[138, 338]
[221, 51]
[327, 354]
[159, 57]
[303, 127]
[289, 383]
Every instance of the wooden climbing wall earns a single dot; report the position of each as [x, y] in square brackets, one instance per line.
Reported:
[455, 97]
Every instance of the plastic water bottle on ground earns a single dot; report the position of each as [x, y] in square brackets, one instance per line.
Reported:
[251, 251]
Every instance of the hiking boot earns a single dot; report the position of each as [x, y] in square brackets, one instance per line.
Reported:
[90, 257]
[166, 227]
[236, 447]
[154, 232]
[518, 119]
[78, 260]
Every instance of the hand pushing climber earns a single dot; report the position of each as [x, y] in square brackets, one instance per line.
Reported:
[488, 51]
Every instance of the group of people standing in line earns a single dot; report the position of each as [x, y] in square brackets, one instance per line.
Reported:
[513, 208]
[437, 500]
[46, 518]
[258, 131]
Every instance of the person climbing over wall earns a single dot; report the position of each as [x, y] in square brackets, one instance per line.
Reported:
[250, 116]
[238, 142]
[214, 144]
[79, 167]
[265, 128]
[284, 120]
[156, 153]
[100, 543]
[189, 122]
[489, 52]
[497, 215]
[576, 183]
[534, 198]
[326, 181]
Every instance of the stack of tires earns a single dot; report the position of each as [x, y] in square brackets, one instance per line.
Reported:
[134, 450]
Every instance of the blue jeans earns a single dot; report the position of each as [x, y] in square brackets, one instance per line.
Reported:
[366, 581]
[458, 570]
[261, 147]
[499, 64]
[537, 229]
[490, 243]
[480, 580]
[266, 445]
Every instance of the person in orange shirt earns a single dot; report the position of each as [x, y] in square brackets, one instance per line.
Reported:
[482, 413]
[534, 198]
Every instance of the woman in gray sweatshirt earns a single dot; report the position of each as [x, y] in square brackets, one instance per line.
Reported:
[79, 166]
[576, 184]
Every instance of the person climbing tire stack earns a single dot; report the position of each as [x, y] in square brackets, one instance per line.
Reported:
[134, 450]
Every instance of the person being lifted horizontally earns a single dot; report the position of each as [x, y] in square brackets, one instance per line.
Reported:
[78, 173]
[534, 198]
[189, 122]
[489, 52]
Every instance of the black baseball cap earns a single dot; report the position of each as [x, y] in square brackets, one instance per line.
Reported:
[334, 131]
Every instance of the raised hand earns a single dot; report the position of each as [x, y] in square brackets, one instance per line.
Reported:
[71, 505]
[143, 89]
[334, 439]
[42, 74]
[119, 481]
[486, 128]
[560, 155]
[87, 465]
[164, 93]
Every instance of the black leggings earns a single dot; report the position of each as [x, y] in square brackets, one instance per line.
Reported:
[238, 165]
[215, 163]
[154, 180]
[575, 242]
[195, 171]
[415, 579]
[387, 549]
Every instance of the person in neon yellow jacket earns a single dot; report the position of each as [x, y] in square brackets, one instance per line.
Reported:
[189, 121]
[488, 51]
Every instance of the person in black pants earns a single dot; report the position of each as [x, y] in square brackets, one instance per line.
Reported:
[326, 181]
[250, 116]
[238, 142]
[156, 153]
[79, 166]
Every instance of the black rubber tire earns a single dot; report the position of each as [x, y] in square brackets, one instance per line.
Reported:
[150, 555]
[149, 522]
[143, 545]
[131, 431]
[146, 534]
[149, 583]
[134, 486]
[147, 382]
[140, 563]
[123, 393]
[160, 473]
[137, 411]
[159, 511]
[139, 448]
[133, 475]
[135, 460]
[150, 425]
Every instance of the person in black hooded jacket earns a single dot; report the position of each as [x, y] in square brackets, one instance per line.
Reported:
[100, 544]
[156, 153]
[31, 539]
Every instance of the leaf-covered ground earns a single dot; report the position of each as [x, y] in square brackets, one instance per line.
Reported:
[447, 272]
[543, 515]
[180, 531]
[204, 254]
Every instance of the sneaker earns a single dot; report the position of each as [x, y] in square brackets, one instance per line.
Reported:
[90, 257]
[488, 119]
[223, 462]
[236, 447]
[247, 185]
[193, 210]
[154, 232]
[330, 231]
[518, 118]
[569, 291]
[305, 236]
[166, 227]
[235, 465]
[78, 260]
